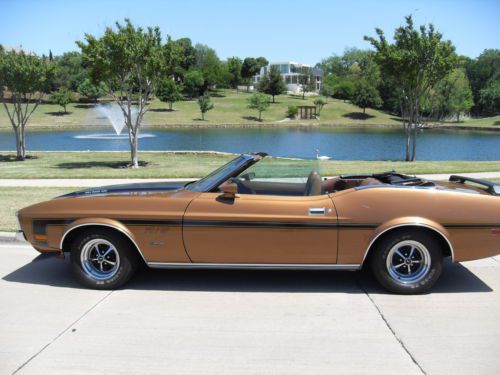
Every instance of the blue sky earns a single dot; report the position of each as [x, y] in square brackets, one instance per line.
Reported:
[303, 31]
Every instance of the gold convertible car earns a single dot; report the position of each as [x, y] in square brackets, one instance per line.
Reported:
[247, 214]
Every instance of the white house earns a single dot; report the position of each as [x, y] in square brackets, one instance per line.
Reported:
[291, 71]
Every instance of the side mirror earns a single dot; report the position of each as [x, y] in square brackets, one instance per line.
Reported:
[229, 190]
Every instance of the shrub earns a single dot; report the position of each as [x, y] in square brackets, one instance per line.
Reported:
[292, 111]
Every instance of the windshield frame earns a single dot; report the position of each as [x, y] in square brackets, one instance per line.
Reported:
[223, 173]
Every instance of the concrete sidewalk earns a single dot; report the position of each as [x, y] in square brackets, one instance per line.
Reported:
[244, 322]
[90, 182]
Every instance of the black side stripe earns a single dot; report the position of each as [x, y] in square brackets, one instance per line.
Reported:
[256, 224]
[39, 225]
[471, 226]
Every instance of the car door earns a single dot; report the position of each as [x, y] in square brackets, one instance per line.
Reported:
[266, 229]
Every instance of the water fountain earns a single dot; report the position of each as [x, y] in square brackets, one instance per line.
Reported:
[113, 113]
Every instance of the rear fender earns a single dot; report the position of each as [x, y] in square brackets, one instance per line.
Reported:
[410, 221]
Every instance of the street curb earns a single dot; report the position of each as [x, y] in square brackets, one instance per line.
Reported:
[10, 237]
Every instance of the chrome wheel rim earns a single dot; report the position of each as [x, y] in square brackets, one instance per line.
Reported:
[100, 259]
[408, 262]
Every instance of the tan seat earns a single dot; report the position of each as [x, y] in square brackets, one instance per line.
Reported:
[313, 185]
[370, 181]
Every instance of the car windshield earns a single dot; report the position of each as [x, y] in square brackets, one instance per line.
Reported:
[220, 175]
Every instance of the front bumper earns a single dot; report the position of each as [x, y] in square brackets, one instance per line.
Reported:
[20, 237]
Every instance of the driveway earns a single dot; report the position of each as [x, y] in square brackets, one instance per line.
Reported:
[244, 322]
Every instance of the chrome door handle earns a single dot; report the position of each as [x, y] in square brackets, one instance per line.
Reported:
[316, 211]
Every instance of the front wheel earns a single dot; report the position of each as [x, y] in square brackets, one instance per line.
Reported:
[102, 259]
[407, 262]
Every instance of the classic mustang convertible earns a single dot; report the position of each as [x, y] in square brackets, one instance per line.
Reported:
[243, 216]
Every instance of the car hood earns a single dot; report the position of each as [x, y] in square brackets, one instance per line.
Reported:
[124, 189]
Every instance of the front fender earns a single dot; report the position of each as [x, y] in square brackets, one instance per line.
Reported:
[110, 223]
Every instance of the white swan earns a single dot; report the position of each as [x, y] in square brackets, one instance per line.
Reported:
[321, 157]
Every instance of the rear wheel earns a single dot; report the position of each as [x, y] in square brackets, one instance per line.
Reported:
[407, 262]
[102, 259]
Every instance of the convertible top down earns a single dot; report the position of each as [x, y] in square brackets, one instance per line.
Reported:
[259, 212]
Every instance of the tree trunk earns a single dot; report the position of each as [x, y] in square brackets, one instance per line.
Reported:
[364, 110]
[414, 146]
[416, 122]
[133, 149]
[20, 147]
[170, 104]
[406, 125]
[273, 98]
[260, 116]
[458, 116]
[203, 116]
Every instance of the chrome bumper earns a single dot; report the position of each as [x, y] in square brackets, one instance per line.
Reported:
[19, 236]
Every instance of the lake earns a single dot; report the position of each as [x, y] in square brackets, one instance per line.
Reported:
[340, 143]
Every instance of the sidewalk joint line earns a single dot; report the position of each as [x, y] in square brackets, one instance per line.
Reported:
[400, 341]
[62, 333]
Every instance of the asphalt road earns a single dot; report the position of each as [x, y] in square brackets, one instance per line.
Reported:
[244, 322]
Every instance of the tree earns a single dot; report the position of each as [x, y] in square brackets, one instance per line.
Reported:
[68, 71]
[366, 95]
[204, 104]
[482, 73]
[209, 65]
[187, 58]
[344, 89]
[455, 94]
[62, 97]
[234, 71]
[168, 92]
[416, 61]
[250, 68]
[193, 83]
[92, 91]
[489, 98]
[319, 103]
[130, 60]
[328, 86]
[306, 81]
[26, 77]
[260, 102]
[272, 83]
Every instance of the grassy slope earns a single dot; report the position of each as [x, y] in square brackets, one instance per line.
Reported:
[15, 198]
[493, 121]
[230, 108]
[168, 165]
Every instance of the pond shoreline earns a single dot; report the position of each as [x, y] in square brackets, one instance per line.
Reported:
[285, 125]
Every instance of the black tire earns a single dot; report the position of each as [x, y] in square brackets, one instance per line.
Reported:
[422, 270]
[89, 273]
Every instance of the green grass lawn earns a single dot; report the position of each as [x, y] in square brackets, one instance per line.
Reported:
[15, 198]
[490, 122]
[184, 165]
[230, 108]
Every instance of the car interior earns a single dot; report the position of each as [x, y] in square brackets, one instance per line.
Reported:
[316, 185]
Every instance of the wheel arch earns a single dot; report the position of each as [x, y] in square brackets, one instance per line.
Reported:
[79, 226]
[421, 224]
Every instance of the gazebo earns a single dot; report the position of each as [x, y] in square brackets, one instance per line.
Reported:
[307, 112]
